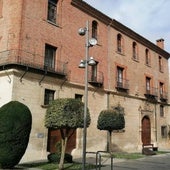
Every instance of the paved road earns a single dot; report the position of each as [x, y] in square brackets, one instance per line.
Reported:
[157, 162]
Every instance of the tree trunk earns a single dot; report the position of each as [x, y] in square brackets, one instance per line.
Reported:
[110, 141]
[63, 149]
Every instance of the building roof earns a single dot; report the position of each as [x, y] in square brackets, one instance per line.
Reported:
[85, 7]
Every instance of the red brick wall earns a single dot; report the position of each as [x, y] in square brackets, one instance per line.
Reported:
[30, 31]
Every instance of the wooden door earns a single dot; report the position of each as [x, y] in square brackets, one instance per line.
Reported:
[54, 137]
[146, 131]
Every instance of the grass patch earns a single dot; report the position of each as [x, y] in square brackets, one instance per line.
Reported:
[162, 152]
[134, 155]
[128, 155]
[52, 166]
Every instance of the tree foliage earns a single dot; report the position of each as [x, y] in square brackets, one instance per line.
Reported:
[15, 127]
[111, 120]
[65, 114]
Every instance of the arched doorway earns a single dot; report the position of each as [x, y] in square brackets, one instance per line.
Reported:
[146, 130]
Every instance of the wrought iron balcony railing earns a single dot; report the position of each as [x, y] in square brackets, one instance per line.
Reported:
[33, 61]
[122, 84]
[152, 91]
[163, 96]
[96, 79]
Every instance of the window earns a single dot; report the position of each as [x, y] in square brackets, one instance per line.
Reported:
[161, 89]
[52, 10]
[48, 96]
[121, 81]
[160, 64]
[119, 43]
[1, 7]
[78, 96]
[49, 61]
[120, 76]
[148, 85]
[162, 92]
[147, 57]
[164, 131]
[161, 111]
[94, 73]
[94, 29]
[151, 91]
[134, 51]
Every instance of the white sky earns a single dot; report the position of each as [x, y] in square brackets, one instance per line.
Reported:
[149, 18]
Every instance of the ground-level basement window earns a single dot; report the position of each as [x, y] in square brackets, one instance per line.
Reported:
[79, 96]
[48, 96]
[164, 131]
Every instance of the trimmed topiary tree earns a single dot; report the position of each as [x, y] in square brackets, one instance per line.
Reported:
[65, 114]
[15, 127]
[110, 120]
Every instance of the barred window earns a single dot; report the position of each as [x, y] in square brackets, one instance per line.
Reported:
[79, 96]
[164, 131]
[161, 111]
[48, 96]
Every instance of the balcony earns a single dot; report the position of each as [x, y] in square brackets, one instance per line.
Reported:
[30, 62]
[122, 84]
[163, 96]
[96, 80]
[151, 94]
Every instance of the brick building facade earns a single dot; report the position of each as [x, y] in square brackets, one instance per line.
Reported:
[40, 50]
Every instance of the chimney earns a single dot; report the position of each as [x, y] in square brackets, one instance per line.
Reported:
[160, 43]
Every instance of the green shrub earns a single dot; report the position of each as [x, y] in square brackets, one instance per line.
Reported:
[15, 127]
[55, 157]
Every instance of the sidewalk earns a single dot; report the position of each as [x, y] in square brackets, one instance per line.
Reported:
[105, 162]
[154, 162]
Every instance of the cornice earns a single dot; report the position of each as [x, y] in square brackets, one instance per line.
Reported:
[83, 6]
[127, 31]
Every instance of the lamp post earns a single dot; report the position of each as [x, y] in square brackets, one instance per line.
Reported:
[84, 64]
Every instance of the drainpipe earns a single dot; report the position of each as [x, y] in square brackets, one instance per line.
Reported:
[108, 52]
[156, 137]
[108, 100]
[108, 69]
[108, 133]
[21, 27]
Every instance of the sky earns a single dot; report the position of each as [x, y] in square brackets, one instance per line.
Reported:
[149, 18]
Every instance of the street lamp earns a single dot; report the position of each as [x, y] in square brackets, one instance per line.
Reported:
[90, 62]
[84, 64]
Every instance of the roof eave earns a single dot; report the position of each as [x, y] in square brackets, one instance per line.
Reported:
[85, 7]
